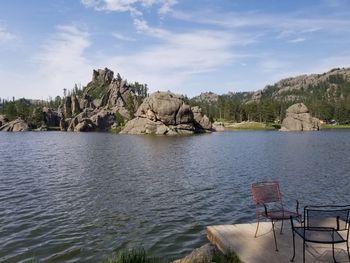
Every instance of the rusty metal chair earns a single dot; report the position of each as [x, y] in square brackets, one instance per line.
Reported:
[269, 205]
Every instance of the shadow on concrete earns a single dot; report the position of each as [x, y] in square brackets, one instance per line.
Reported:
[240, 239]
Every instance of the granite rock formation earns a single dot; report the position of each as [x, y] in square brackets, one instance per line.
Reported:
[102, 98]
[299, 119]
[295, 88]
[201, 121]
[218, 126]
[207, 97]
[17, 125]
[164, 113]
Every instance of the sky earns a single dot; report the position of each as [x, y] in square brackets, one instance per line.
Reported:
[185, 46]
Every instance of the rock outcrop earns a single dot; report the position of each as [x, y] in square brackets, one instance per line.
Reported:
[201, 121]
[102, 76]
[295, 88]
[51, 117]
[3, 120]
[90, 120]
[67, 106]
[17, 125]
[207, 97]
[120, 97]
[218, 126]
[164, 113]
[96, 109]
[299, 119]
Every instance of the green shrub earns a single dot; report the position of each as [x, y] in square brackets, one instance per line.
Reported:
[218, 257]
[120, 119]
[132, 256]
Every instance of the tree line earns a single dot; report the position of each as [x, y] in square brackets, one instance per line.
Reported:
[328, 100]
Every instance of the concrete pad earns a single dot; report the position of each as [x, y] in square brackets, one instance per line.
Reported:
[240, 239]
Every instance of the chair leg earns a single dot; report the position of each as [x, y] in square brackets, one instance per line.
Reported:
[333, 253]
[281, 227]
[257, 227]
[274, 234]
[292, 260]
[303, 250]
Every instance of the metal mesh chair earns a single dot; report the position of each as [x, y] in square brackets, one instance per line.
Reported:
[269, 205]
[323, 225]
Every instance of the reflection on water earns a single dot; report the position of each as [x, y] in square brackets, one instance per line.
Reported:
[78, 197]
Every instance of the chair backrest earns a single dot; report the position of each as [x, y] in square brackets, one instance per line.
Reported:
[336, 217]
[266, 192]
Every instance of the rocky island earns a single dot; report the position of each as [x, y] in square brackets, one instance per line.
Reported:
[299, 119]
[164, 113]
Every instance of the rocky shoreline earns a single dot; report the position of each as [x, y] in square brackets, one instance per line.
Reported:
[110, 103]
[107, 103]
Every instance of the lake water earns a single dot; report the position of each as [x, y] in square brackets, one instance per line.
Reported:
[77, 197]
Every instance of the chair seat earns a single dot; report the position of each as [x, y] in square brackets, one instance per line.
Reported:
[281, 214]
[319, 235]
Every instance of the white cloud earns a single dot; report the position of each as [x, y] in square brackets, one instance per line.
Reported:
[122, 37]
[292, 24]
[167, 6]
[61, 61]
[5, 35]
[143, 27]
[297, 40]
[132, 6]
[177, 58]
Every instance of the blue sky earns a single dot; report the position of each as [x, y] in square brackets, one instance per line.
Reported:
[185, 46]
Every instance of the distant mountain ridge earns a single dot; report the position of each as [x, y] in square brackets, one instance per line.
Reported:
[327, 95]
[331, 82]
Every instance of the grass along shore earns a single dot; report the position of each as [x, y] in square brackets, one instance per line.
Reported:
[250, 125]
[331, 126]
[139, 255]
[271, 126]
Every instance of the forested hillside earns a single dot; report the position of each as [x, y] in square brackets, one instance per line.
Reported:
[326, 95]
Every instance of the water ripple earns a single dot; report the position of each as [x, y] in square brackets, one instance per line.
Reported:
[67, 197]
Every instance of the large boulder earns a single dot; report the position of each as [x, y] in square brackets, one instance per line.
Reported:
[298, 118]
[166, 107]
[201, 121]
[164, 113]
[17, 125]
[218, 126]
[298, 108]
[140, 125]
